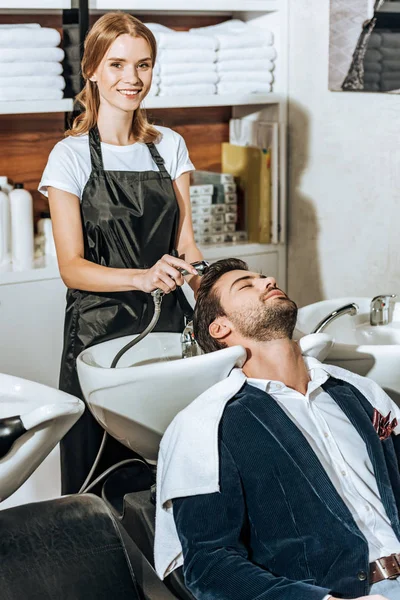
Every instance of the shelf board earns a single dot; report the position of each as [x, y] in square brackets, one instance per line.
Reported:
[34, 4]
[228, 6]
[36, 106]
[47, 268]
[211, 100]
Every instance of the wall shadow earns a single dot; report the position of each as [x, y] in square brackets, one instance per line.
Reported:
[304, 277]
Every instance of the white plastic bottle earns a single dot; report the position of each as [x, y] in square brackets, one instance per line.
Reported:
[5, 185]
[21, 228]
[5, 229]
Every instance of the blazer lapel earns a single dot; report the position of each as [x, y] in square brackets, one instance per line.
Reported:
[359, 412]
[297, 449]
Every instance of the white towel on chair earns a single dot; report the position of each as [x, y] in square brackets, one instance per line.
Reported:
[29, 93]
[29, 37]
[30, 68]
[183, 67]
[225, 66]
[201, 89]
[55, 82]
[267, 52]
[188, 56]
[191, 77]
[247, 87]
[245, 77]
[20, 55]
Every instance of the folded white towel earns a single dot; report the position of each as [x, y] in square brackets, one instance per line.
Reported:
[236, 34]
[267, 52]
[169, 38]
[188, 460]
[34, 54]
[14, 25]
[188, 56]
[55, 82]
[154, 90]
[190, 77]
[248, 87]
[245, 77]
[29, 93]
[200, 89]
[233, 25]
[184, 40]
[24, 37]
[156, 80]
[156, 69]
[184, 67]
[30, 68]
[225, 66]
[157, 28]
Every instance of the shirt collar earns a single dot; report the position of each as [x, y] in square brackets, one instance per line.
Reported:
[318, 375]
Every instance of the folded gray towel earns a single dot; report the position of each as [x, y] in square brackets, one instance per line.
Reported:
[372, 67]
[375, 40]
[390, 39]
[392, 53]
[389, 86]
[389, 77]
[373, 55]
[390, 65]
[372, 77]
[372, 87]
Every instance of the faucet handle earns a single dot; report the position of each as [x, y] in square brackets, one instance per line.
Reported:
[379, 313]
[381, 300]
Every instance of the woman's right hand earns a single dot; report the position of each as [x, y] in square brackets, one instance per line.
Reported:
[164, 275]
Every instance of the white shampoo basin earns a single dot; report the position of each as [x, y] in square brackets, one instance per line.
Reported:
[137, 401]
[46, 414]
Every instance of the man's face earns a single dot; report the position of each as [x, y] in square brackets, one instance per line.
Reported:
[255, 306]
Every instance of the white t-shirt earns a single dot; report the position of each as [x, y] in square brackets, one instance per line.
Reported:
[68, 167]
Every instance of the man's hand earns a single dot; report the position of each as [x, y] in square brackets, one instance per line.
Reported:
[373, 597]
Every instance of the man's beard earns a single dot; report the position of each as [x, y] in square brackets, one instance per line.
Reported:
[266, 321]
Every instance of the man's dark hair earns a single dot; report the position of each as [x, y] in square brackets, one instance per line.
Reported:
[208, 306]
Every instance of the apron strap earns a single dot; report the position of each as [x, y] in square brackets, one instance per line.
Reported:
[96, 157]
[158, 159]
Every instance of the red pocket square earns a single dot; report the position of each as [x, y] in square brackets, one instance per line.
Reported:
[383, 425]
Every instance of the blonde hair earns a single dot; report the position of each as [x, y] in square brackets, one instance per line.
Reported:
[103, 33]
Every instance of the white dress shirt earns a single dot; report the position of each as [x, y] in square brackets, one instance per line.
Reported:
[341, 451]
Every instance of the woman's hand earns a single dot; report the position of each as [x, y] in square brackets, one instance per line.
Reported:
[164, 275]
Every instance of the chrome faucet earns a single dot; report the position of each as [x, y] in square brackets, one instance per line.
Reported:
[347, 309]
[379, 311]
[188, 342]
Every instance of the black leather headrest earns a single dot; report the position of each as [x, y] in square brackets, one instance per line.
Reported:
[11, 428]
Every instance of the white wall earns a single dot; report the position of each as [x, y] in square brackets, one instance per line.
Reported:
[344, 195]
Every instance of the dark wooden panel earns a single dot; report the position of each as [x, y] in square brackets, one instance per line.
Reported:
[178, 22]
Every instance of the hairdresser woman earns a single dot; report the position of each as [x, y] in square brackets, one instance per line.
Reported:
[118, 191]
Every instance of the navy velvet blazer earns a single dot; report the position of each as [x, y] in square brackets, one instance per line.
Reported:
[278, 529]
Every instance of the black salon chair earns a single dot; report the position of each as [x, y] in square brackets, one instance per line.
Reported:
[72, 548]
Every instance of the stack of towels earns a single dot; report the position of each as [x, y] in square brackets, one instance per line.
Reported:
[245, 56]
[185, 63]
[30, 63]
[382, 62]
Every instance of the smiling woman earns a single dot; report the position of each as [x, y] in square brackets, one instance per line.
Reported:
[118, 191]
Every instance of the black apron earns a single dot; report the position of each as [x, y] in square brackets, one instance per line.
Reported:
[130, 220]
